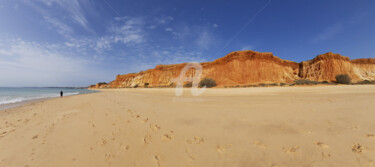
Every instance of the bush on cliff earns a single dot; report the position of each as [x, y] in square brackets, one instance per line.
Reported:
[208, 82]
[188, 84]
[343, 79]
[146, 85]
[364, 82]
[306, 82]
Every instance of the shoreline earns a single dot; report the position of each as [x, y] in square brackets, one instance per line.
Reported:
[151, 89]
[8, 106]
[4, 107]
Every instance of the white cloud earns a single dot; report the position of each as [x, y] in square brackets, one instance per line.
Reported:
[151, 27]
[69, 44]
[164, 19]
[215, 25]
[129, 31]
[24, 63]
[72, 8]
[328, 33]
[248, 47]
[205, 40]
[169, 29]
[61, 27]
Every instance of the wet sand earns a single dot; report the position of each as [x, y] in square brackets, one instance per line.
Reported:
[276, 126]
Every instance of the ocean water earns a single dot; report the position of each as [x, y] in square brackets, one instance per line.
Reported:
[14, 95]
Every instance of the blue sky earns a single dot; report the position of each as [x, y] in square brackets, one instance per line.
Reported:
[81, 42]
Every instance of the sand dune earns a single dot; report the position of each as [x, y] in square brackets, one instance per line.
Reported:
[278, 126]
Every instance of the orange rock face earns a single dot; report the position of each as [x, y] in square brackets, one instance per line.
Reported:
[250, 67]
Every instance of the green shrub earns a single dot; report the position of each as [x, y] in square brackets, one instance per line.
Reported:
[262, 84]
[306, 82]
[366, 82]
[282, 84]
[146, 85]
[325, 82]
[135, 86]
[208, 82]
[273, 84]
[188, 84]
[343, 79]
[102, 83]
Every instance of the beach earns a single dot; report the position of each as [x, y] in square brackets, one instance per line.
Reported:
[271, 126]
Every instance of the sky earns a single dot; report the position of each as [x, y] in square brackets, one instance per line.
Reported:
[82, 42]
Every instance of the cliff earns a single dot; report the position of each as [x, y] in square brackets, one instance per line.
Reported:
[250, 67]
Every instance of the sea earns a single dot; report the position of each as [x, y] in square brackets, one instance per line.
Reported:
[10, 95]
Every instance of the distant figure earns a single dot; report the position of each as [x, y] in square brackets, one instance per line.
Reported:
[61, 94]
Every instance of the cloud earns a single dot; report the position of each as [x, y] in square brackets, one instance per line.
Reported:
[56, 8]
[151, 27]
[128, 31]
[205, 39]
[169, 29]
[328, 33]
[215, 25]
[24, 63]
[164, 19]
[61, 27]
[248, 47]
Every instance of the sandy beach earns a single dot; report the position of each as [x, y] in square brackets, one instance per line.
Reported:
[275, 126]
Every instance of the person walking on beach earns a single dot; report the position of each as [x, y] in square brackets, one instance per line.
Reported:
[61, 94]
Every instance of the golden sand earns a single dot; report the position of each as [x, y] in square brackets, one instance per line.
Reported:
[278, 126]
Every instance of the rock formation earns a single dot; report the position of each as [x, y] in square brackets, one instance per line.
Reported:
[250, 67]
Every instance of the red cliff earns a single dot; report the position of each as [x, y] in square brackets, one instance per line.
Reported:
[250, 67]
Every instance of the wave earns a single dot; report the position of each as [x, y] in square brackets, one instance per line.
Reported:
[11, 99]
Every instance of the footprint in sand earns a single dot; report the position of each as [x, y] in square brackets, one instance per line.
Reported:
[196, 140]
[357, 148]
[167, 137]
[35, 137]
[124, 147]
[147, 139]
[325, 155]
[26, 121]
[159, 159]
[103, 142]
[189, 152]
[291, 149]
[321, 145]
[154, 127]
[145, 120]
[108, 157]
[370, 136]
[259, 144]
[220, 148]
